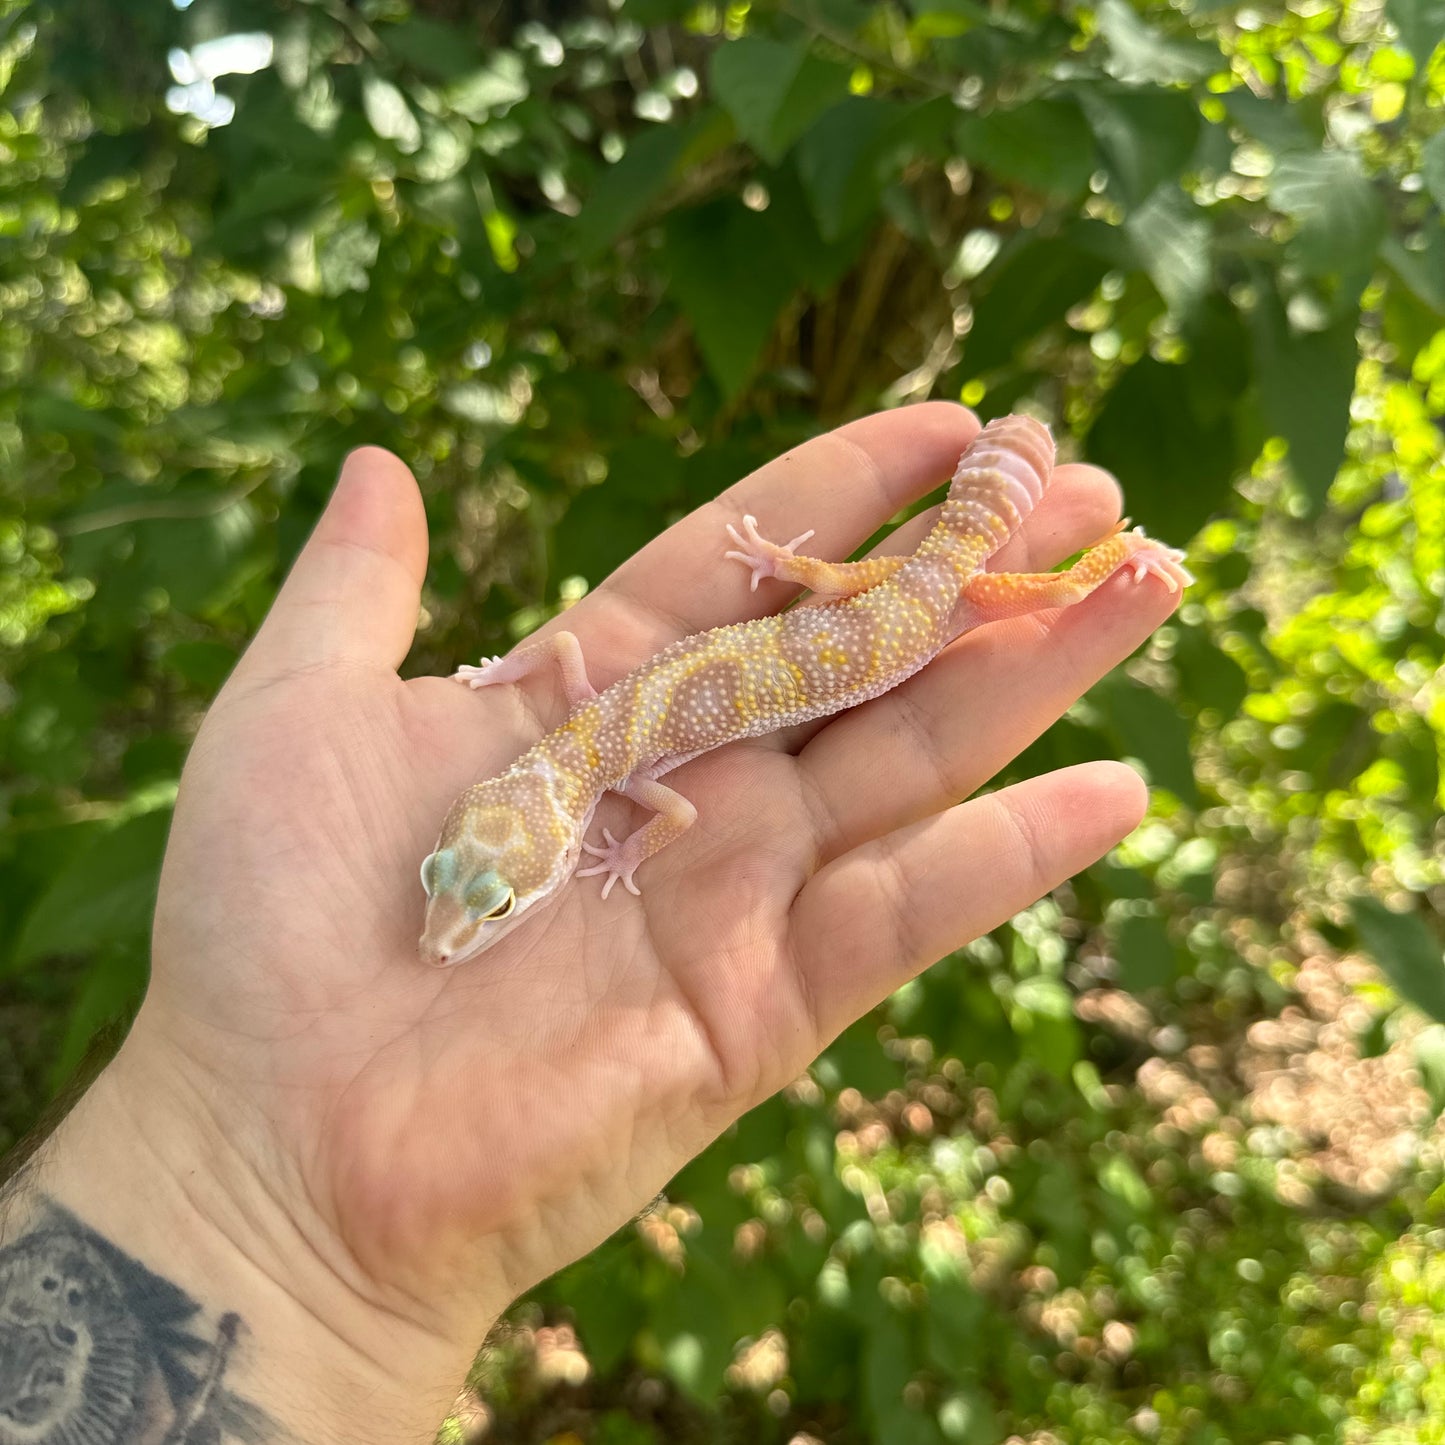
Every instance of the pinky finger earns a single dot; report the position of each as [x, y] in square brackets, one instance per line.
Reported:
[885, 911]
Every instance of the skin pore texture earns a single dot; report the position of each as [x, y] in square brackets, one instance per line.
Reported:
[318, 1170]
[509, 843]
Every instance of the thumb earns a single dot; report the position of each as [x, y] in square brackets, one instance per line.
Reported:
[354, 591]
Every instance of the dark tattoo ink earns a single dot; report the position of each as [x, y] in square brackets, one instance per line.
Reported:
[96, 1349]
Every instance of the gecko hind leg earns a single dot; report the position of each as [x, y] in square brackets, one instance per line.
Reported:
[559, 647]
[827, 579]
[672, 816]
[988, 596]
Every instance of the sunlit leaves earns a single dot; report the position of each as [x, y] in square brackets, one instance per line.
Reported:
[388, 113]
[500, 82]
[463, 238]
[1421, 24]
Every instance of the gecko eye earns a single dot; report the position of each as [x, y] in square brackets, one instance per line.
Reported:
[438, 871]
[503, 908]
[489, 898]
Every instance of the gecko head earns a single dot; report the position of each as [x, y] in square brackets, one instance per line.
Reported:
[501, 852]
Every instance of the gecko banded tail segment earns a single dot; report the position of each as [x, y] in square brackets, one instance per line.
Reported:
[508, 844]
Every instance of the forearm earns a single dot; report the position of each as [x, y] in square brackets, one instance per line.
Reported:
[147, 1287]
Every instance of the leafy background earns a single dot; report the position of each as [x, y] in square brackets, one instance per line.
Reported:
[1160, 1160]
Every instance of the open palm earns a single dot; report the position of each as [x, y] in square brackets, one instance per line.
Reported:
[444, 1138]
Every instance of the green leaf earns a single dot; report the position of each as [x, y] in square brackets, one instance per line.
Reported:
[844, 159]
[857, 1059]
[1421, 24]
[818, 264]
[1211, 678]
[774, 90]
[283, 194]
[388, 114]
[1145, 136]
[1306, 380]
[1340, 214]
[1145, 952]
[440, 51]
[106, 894]
[1027, 289]
[1042, 143]
[1171, 235]
[1407, 952]
[888, 1356]
[110, 994]
[1432, 166]
[1142, 54]
[697, 1324]
[1147, 726]
[202, 664]
[955, 1323]
[718, 258]
[626, 189]
[608, 1307]
[1279, 124]
[1421, 270]
[199, 562]
[1164, 432]
[1429, 1049]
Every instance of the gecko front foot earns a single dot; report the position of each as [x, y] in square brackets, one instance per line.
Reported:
[1154, 559]
[616, 860]
[478, 676]
[761, 555]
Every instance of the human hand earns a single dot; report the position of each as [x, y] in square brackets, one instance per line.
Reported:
[411, 1148]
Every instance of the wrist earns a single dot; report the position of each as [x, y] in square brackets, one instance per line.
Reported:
[168, 1203]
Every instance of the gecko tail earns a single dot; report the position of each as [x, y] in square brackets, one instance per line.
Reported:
[1006, 466]
[1000, 479]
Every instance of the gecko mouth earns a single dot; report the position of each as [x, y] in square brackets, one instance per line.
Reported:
[452, 951]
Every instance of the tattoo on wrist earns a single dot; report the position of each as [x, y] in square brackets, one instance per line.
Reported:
[96, 1349]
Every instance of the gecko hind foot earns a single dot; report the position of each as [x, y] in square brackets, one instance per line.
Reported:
[616, 860]
[759, 554]
[1154, 559]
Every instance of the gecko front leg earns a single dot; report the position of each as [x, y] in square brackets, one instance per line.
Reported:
[560, 647]
[827, 579]
[672, 816]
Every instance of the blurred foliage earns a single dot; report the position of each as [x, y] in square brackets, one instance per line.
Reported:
[1159, 1161]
